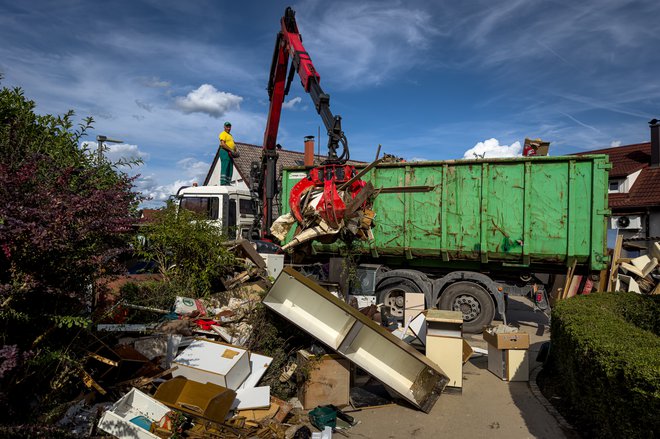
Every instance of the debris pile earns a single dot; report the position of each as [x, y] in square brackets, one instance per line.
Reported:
[197, 370]
[331, 202]
[640, 275]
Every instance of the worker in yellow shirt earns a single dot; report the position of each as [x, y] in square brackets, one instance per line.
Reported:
[228, 152]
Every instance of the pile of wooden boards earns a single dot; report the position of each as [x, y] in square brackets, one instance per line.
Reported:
[640, 275]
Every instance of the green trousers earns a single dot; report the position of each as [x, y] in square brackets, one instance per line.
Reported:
[226, 168]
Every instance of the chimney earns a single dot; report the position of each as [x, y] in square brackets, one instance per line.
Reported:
[655, 142]
[309, 150]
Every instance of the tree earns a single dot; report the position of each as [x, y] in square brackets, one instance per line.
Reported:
[188, 251]
[64, 218]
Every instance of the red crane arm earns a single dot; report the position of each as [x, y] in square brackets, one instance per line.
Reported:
[288, 46]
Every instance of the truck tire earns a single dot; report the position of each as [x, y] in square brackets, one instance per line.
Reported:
[394, 296]
[473, 301]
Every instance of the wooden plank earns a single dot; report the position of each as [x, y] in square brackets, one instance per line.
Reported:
[602, 280]
[573, 288]
[614, 267]
[569, 278]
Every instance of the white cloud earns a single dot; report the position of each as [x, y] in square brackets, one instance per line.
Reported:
[491, 148]
[208, 100]
[155, 82]
[114, 152]
[418, 159]
[291, 103]
[615, 143]
[118, 151]
[194, 168]
[156, 193]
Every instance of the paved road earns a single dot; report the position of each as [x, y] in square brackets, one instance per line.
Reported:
[487, 408]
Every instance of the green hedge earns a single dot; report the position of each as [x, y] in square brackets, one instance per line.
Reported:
[606, 349]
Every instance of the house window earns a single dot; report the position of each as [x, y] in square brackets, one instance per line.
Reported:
[615, 186]
[205, 206]
[247, 206]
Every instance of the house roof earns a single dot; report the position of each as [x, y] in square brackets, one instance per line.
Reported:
[646, 190]
[627, 160]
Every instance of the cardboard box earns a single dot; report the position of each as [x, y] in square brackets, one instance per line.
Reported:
[208, 400]
[517, 340]
[207, 361]
[509, 364]
[326, 380]
[135, 404]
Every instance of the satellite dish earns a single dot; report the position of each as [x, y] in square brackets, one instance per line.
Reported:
[623, 222]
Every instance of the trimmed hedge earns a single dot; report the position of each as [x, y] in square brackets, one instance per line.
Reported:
[606, 349]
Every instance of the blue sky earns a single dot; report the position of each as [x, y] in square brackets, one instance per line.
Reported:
[426, 79]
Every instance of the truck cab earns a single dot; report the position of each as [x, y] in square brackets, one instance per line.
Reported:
[229, 208]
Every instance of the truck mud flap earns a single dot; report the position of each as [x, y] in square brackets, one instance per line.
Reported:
[357, 338]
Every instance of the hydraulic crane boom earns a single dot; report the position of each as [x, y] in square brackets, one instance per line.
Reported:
[289, 45]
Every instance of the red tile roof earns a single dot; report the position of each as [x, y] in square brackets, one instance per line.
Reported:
[627, 160]
[646, 190]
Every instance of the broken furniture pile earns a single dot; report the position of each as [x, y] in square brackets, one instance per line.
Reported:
[204, 382]
[640, 275]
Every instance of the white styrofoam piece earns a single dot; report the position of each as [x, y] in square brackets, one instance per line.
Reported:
[258, 364]
[418, 327]
[274, 264]
[252, 398]
[117, 420]
[208, 361]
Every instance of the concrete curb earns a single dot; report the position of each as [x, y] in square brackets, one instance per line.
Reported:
[536, 391]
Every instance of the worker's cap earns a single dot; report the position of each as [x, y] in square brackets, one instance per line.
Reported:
[227, 124]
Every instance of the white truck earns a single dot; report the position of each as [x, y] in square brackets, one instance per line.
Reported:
[231, 209]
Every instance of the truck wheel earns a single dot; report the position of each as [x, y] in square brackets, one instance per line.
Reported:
[473, 301]
[394, 296]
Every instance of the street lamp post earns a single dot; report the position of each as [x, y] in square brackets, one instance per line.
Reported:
[100, 139]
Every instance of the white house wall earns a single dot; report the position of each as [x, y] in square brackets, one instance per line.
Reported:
[236, 181]
[629, 182]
